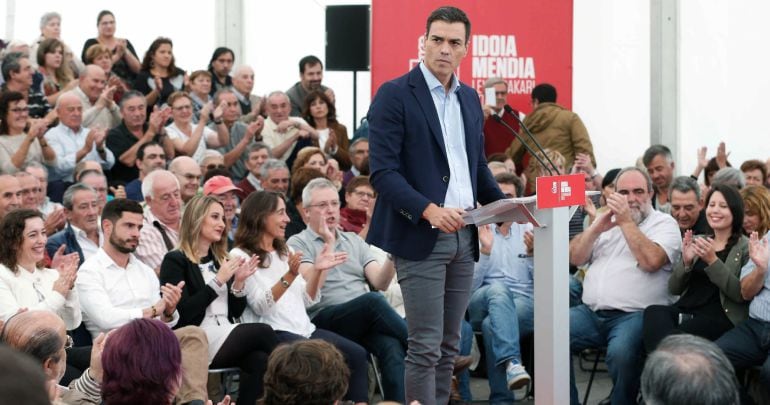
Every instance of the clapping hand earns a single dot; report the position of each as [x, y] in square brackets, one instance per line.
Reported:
[486, 239]
[704, 249]
[688, 248]
[67, 269]
[529, 242]
[758, 251]
[171, 294]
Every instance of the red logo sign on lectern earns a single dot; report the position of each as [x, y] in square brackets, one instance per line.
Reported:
[560, 191]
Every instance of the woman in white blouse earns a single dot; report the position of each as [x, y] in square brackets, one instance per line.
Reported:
[25, 285]
[277, 294]
[193, 139]
[17, 147]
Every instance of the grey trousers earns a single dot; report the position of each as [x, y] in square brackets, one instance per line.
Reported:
[436, 294]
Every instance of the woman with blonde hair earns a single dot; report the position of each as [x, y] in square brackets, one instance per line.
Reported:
[756, 202]
[534, 169]
[214, 295]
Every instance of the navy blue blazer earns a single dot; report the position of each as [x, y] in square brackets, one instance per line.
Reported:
[64, 237]
[409, 167]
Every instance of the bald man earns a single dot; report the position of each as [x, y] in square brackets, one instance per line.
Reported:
[99, 109]
[188, 173]
[10, 194]
[42, 335]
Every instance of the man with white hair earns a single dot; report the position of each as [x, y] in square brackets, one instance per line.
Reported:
[243, 85]
[73, 142]
[285, 135]
[630, 250]
[162, 217]
[99, 109]
[188, 173]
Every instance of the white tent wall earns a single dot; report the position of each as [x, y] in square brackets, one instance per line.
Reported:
[723, 85]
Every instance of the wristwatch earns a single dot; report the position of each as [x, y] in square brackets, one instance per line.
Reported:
[284, 283]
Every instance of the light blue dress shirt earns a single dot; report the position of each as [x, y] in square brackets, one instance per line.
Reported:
[459, 192]
[760, 304]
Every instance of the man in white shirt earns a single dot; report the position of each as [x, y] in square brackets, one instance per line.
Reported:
[629, 250]
[81, 235]
[116, 288]
[285, 135]
[73, 142]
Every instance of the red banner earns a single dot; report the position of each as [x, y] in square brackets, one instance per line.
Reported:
[524, 42]
[561, 191]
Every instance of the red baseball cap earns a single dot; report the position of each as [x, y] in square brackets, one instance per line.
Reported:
[218, 185]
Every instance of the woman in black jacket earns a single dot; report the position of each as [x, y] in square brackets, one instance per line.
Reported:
[212, 296]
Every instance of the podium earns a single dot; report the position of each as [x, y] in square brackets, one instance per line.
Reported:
[552, 354]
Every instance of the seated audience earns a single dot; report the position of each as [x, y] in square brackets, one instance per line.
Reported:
[756, 218]
[22, 378]
[305, 372]
[285, 135]
[319, 111]
[192, 140]
[278, 295]
[116, 288]
[630, 250]
[359, 159]
[125, 62]
[687, 369]
[311, 73]
[359, 199]
[50, 28]
[297, 217]
[17, 76]
[223, 189]
[243, 84]
[142, 364]
[188, 174]
[687, 207]
[159, 76]
[347, 307]
[257, 154]
[10, 194]
[20, 146]
[746, 345]
[82, 234]
[57, 74]
[754, 172]
[134, 130]
[310, 156]
[502, 298]
[200, 89]
[219, 69]
[150, 156]
[73, 143]
[43, 336]
[730, 176]
[163, 211]
[275, 176]
[706, 276]
[99, 108]
[101, 56]
[241, 135]
[213, 294]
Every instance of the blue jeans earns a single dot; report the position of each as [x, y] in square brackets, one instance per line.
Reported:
[575, 292]
[621, 333]
[466, 344]
[502, 316]
[369, 321]
[748, 345]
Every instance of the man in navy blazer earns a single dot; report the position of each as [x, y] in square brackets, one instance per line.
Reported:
[428, 166]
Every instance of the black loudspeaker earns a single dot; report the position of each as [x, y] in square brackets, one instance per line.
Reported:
[347, 38]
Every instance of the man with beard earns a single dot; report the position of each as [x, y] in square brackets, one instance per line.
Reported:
[629, 250]
[311, 73]
[660, 166]
[116, 288]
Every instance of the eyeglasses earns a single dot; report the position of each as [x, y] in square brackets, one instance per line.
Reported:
[19, 110]
[68, 343]
[326, 204]
[215, 166]
[362, 194]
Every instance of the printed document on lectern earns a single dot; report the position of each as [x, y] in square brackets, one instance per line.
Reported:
[507, 210]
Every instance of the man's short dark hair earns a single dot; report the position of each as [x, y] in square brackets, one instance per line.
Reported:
[140, 151]
[687, 369]
[656, 150]
[20, 377]
[114, 209]
[11, 64]
[754, 164]
[512, 179]
[684, 184]
[449, 15]
[307, 61]
[544, 93]
[128, 96]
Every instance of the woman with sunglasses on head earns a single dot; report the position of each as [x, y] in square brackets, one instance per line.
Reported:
[277, 294]
[20, 144]
[193, 139]
[213, 295]
[707, 276]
